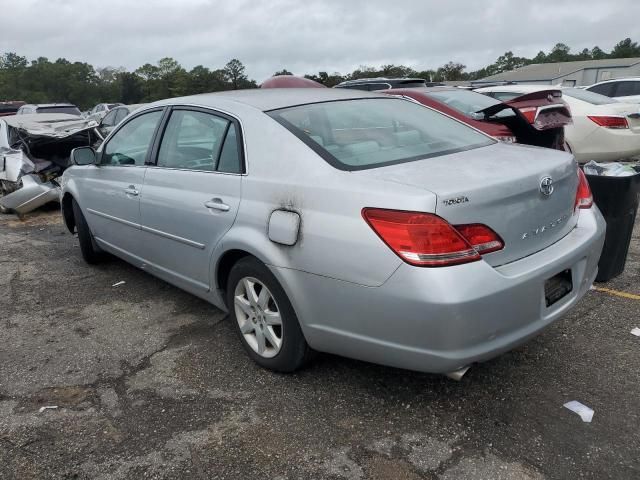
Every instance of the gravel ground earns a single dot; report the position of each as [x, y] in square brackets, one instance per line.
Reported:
[151, 382]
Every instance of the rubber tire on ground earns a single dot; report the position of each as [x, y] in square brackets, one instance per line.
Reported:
[90, 253]
[295, 352]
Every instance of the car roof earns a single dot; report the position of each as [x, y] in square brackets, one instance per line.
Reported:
[49, 105]
[623, 79]
[519, 88]
[271, 98]
[380, 80]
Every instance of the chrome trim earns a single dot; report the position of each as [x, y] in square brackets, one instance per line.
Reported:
[115, 219]
[170, 236]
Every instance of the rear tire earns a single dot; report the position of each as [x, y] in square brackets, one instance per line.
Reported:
[264, 319]
[90, 251]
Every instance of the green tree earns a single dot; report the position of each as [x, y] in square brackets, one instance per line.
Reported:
[559, 53]
[284, 71]
[234, 72]
[625, 49]
[597, 53]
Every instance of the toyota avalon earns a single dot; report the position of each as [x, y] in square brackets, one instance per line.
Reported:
[341, 221]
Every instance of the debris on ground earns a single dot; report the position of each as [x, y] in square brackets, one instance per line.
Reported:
[48, 407]
[121, 282]
[585, 412]
[636, 332]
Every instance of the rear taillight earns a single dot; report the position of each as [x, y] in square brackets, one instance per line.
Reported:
[584, 198]
[426, 240]
[481, 237]
[608, 121]
[529, 113]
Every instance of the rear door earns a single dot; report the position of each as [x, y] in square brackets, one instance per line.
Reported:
[191, 196]
[110, 193]
[628, 91]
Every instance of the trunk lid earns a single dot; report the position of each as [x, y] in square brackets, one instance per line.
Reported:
[544, 109]
[499, 186]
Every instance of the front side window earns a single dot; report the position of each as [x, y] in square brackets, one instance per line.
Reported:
[121, 113]
[196, 140]
[109, 120]
[130, 144]
[369, 133]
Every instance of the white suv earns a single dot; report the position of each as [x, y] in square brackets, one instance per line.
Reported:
[622, 89]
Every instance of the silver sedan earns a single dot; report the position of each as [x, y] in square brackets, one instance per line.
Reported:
[346, 222]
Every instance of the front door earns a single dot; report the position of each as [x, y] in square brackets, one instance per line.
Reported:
[191, 196]
[110, 193]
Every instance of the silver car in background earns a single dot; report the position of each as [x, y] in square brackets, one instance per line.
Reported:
[342, 221]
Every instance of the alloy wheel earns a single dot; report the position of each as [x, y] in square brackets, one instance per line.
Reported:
[258, 317]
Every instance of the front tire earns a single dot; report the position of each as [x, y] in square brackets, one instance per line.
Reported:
[264, 318]
[90, 251]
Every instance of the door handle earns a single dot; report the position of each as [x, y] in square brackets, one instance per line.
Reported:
[217, 204]
[131, 190]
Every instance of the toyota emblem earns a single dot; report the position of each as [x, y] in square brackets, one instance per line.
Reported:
[546, 186]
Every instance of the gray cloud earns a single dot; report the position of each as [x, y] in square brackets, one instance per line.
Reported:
[305, 37]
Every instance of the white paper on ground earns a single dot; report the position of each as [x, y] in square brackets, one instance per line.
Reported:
[636, 332]
[47, 407]
[585, 412]
[121, 282]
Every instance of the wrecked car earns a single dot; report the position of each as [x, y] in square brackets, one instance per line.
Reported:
[34, 151]
[536, 119]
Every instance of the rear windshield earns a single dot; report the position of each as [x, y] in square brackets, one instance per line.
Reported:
[368, 133]
[587, 96]
[468, 102]
[69, 110]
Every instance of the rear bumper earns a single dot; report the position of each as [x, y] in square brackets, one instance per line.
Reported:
[604, 145]
[439, 320]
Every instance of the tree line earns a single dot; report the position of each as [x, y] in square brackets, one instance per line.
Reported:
[43, 81]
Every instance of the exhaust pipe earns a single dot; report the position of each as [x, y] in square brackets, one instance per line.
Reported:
[457, 374]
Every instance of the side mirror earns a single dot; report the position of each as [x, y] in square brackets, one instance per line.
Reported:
[83, 156]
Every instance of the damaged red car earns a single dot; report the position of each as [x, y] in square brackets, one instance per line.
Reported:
[533, 119]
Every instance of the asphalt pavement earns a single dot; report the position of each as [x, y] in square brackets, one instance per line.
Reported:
[151, 382]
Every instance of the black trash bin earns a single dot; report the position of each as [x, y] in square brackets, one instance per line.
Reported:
[617, 199]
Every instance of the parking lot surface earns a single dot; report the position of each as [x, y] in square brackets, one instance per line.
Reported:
[151, 382]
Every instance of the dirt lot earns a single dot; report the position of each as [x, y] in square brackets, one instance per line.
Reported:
[151, 382]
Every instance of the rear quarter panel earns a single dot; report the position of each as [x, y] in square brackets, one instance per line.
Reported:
[334, 240]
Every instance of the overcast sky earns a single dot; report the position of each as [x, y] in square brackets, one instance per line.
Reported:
[307, 36]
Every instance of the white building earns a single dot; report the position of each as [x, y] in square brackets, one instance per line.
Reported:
[584, 72]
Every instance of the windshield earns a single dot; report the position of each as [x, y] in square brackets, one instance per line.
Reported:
[468, 102]
[70, 110]
[369, 133]
[587, 96]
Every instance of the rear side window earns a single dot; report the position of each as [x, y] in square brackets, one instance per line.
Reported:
[587, 96]
[505, 96]
[603, 89]
[626, 89]
[369, 133]
[467, 102]
[196, 140]
[130, 144]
